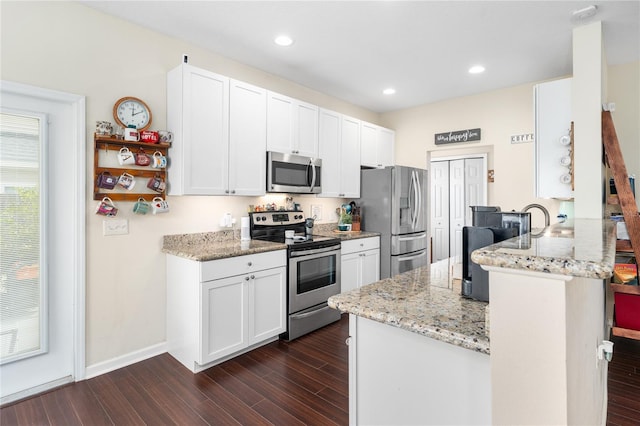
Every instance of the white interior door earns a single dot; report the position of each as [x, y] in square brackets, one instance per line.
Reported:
[456, 184]
[474, 184]
[42, 157]
[457, 213]
[440, 209]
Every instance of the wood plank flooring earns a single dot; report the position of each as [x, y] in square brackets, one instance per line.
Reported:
[296, 383]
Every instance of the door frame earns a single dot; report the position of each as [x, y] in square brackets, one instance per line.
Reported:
[433, 156]
[76, 213]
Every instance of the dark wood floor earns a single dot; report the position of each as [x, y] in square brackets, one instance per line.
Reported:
[301, 382]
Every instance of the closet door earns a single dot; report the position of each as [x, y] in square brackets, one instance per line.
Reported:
[440, 209]
[457, 207]
[474, 186]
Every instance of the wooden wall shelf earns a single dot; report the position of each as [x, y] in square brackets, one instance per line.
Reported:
[143, 174]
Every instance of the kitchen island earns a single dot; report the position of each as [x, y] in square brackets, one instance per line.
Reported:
[418, 353]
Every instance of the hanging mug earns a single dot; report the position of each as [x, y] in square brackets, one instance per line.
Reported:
[142, 159]
[141, 206]
[106, 207]
[127, 181]
[131, 134]
[156, 184]
[158, 205]
[159, 160]
[125, 157]
[106, 180]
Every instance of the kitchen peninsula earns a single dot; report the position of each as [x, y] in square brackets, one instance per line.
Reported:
[419, 353]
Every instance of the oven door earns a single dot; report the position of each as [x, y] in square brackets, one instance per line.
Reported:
[314, 276]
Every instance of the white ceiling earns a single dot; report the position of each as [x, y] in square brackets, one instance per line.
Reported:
[352, 50]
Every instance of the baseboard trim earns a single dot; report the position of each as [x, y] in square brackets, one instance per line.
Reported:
[125, 360]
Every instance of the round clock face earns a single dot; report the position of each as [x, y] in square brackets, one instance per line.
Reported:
[132, 111]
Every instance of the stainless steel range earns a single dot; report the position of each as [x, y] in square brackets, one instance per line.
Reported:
[313, 264]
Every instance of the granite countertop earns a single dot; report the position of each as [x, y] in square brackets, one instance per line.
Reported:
[223, 244]
[421, 301]
[580, 248]
[215, 245]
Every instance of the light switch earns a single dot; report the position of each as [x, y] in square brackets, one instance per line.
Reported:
[115, 227]
[316, 210]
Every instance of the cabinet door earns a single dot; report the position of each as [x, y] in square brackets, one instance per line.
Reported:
[350, 271]
[280, 113]
[552, 122]
[386, 147]
[370, 264]
[204, 136]
[350, 152]
[330, 136]
[369, 145]
[247, 139]
[224, 327]
[306, 129]
[267, 304]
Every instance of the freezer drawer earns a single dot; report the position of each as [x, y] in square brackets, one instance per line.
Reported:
[401, 244]
[407, 262]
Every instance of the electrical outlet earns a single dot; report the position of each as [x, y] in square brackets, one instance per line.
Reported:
[316, 210]
[115, 227]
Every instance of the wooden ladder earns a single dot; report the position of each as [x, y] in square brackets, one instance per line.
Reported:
[621, 178]
[629, 209]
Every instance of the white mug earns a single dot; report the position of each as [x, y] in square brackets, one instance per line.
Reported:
[125, 157]
[131, 134]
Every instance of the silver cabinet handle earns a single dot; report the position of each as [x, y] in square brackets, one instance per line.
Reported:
[253, 277]
[246, 278]
[249, 263]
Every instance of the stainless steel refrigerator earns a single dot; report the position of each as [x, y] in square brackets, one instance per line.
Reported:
[393, 202]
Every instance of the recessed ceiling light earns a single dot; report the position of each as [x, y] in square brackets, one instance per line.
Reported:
[389, 91]
[476, 69]
[283, 40]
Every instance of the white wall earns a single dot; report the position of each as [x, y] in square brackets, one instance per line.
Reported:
[70, 47]
[499, 114]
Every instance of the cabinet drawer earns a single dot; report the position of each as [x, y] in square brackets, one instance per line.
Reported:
[232, 266]
[352, 246]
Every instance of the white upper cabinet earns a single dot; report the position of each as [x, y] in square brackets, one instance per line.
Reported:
[292, 126]
[219, 128]
[377, 146]
[340, 154]
[247, 139]
[552, 130]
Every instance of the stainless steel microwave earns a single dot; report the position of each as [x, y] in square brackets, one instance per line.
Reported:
[294, 174]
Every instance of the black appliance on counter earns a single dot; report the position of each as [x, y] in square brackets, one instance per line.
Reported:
[313, 269]
[489, 226]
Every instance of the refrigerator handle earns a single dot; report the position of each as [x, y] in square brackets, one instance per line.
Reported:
[420, 206]
[416, 198]
[406, 258]
[412, 200]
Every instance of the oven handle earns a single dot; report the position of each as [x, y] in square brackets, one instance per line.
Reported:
[308, 314]
[314, 251]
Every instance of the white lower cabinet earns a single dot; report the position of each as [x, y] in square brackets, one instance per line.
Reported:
[360, 263]
[221, 308]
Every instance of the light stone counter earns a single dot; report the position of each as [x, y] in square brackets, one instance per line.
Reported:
[214, 245]
[579, 248]
[421, 301]
[331, 230]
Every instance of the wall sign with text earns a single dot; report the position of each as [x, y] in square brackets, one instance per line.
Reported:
[458, 136]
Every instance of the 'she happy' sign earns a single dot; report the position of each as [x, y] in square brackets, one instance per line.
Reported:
[468, 135]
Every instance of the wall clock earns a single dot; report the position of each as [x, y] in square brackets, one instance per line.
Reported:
[130, 111]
